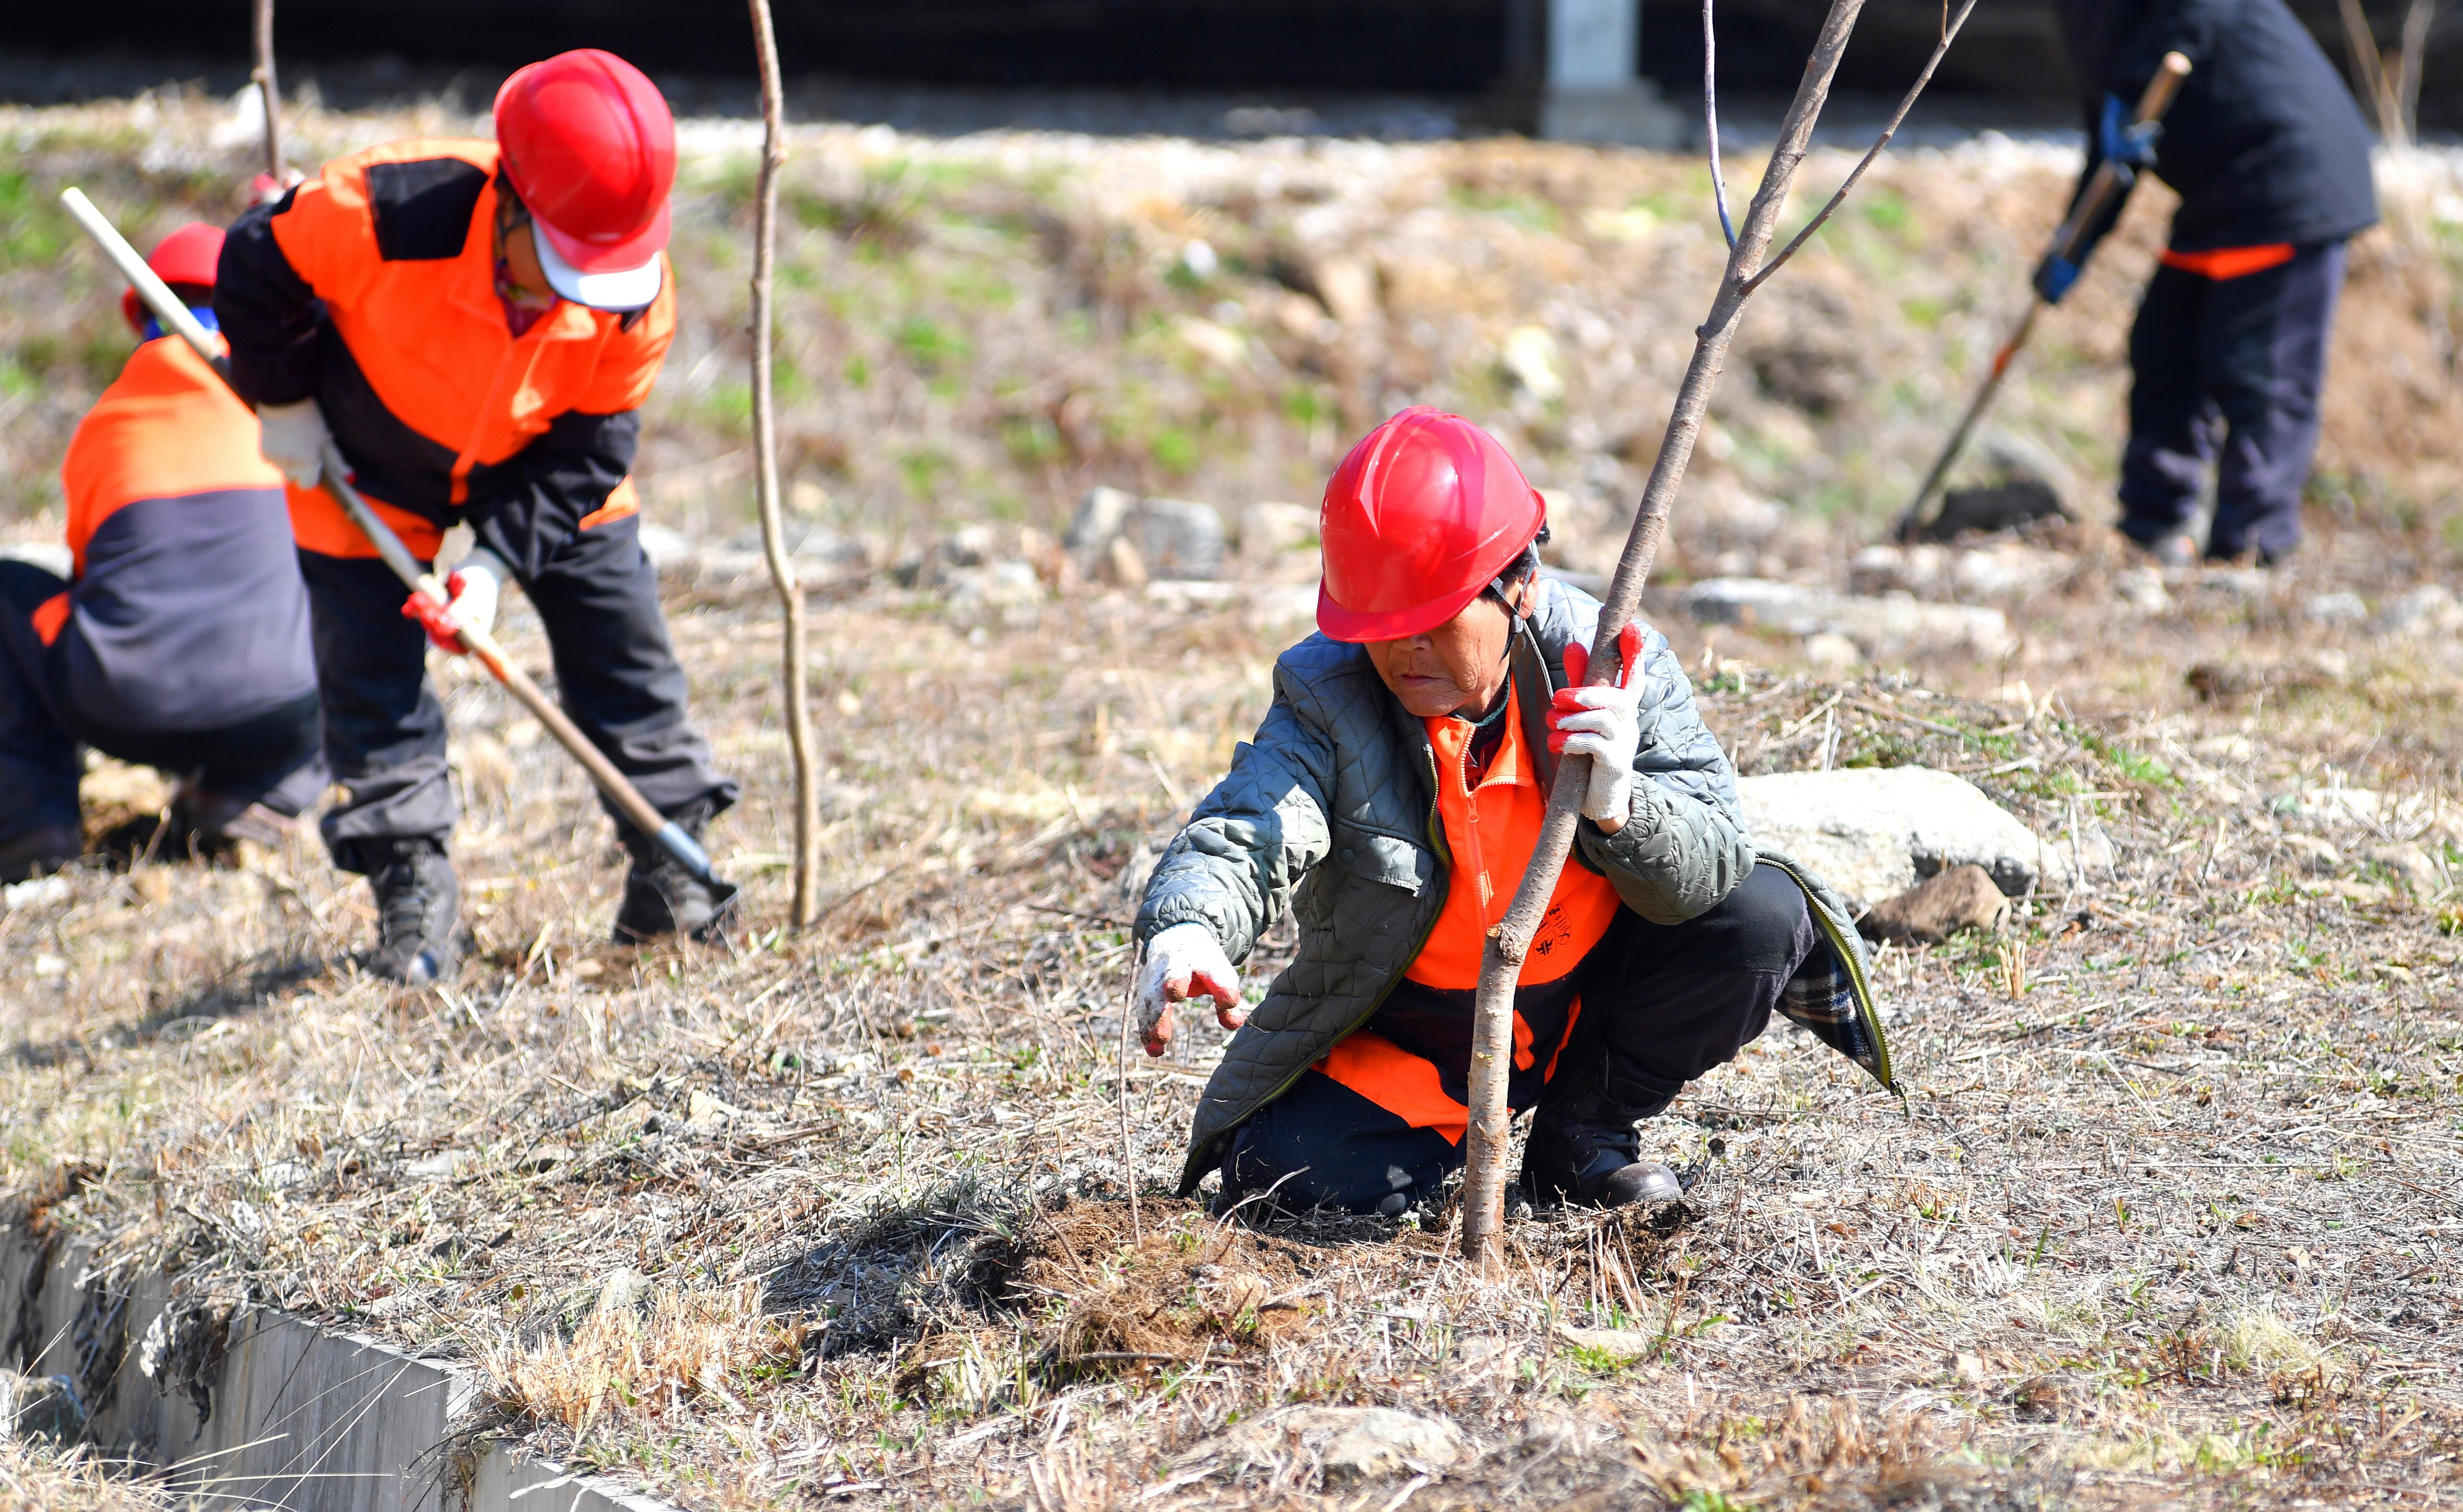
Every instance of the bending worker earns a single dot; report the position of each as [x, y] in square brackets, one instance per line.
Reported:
[2272, 161]
[180, 640]
[1391, 800]
[474, 326]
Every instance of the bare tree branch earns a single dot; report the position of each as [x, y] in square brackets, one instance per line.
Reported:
[1949, 34]
[1502, 961]
[765, 450]
[270, 92]
[1711, 118]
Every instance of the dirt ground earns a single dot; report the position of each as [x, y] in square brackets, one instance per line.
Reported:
[878, 1215]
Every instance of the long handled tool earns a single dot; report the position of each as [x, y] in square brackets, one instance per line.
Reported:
[175, 317]
[2107, 186]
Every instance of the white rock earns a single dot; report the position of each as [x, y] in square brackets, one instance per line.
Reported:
[1831, 651]
[2429, 609]
[2336, 608]
[2143, 589]
[1873, 833]
[1529, 357]
[28, 894]
[2412, 864]
[1267, 530]
[2007, 569]
[1879, 626]
[1362, 1443]
[2357, 808]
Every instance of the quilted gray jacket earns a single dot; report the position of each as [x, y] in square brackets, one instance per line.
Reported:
[1331, 813]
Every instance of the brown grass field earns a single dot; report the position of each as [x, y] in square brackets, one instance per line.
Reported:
[2168, 1217]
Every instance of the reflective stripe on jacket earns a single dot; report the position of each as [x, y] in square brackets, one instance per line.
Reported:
[1329, 812]
[186, 610]
[372, 289]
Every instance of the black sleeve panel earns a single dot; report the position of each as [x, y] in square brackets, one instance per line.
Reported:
[529, 505]
[267, 313]
[422, 210]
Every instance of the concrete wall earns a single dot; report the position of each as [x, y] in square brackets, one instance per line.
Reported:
[293, 1414]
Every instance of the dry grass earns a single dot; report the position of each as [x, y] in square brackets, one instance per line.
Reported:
[2166, 1219]
[36, 1479]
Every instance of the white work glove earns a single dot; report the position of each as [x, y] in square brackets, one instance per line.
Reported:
[293, 437]
[476, 583]
[1603, 723]
[1182, 963]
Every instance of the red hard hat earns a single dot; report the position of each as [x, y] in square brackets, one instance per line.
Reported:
[187, 256]
[590, 147]
[1423, 515]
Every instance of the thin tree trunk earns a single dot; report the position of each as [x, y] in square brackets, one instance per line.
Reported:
[270, 91]
[1483, 1176]
[765, 451]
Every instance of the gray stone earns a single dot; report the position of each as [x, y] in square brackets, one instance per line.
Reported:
[1879, 626]
[1873, 833]
[1100, 513]
[1939, 907]
[40, 1407]
[1169, 538]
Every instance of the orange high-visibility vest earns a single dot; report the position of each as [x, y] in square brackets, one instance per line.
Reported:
[1490, 831]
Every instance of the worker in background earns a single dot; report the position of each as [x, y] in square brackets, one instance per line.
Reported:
[2271, 158]
[473, 325]
[180, 638]
[1391, 800]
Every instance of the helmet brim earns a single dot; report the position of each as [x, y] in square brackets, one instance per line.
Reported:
[1339, 623]
[603, 283]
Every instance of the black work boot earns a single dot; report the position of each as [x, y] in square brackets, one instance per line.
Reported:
[44, 848]
[660, 895]
[419, 914]
[1583, 1150]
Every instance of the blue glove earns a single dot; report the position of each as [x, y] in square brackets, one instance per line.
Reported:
[2054, 277]
[2124, 143]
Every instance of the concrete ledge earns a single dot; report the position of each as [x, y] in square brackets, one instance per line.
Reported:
[271, 1410]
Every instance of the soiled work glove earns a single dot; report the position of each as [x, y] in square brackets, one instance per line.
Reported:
[1603, 723]
[1182, 963]
[475, 586]
[293, 437]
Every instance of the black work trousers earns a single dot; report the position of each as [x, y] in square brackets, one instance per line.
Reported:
[615, 675]
[2231, 366]
[1662, 1003]
[270, 757]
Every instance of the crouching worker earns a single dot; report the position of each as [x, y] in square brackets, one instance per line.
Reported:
[474, 326]
[1391, 800]
[180, 639]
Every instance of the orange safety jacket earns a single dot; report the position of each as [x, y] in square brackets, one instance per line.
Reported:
[1413, 1059]
[185, 609]
[372, 289]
